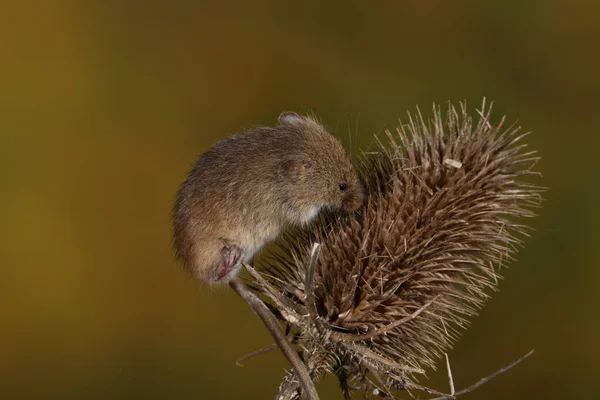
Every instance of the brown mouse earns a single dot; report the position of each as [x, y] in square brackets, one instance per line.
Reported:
[248, 187]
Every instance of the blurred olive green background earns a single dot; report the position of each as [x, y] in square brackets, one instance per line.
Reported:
[105, 105]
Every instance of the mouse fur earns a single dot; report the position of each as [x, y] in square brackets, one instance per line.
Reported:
[248, 187]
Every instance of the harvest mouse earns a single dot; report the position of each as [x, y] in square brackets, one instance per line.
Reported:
[248, 187]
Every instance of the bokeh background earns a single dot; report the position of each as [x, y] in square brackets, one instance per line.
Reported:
[105, 105]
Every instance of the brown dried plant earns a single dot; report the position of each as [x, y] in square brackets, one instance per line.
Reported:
[390, 288]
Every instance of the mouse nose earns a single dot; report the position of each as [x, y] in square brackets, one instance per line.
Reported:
[355, 200]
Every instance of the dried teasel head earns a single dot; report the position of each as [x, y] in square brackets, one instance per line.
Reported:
[392, 286]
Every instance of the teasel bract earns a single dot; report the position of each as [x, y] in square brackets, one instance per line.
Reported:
[393, 285]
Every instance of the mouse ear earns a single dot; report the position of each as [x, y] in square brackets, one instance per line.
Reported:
[290, 118]
[294, 170]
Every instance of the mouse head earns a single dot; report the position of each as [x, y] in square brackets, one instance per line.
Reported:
[317, 169]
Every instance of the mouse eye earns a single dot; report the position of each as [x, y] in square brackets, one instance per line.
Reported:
[343, 187]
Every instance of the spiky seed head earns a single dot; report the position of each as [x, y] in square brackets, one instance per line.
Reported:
[396, 282]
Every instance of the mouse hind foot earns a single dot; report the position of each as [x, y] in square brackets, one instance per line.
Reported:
[230, 260]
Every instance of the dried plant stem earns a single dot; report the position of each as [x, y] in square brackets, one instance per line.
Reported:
[258, 352]
[450, 379]
[282, 341]
[285, 305]
[475, 385]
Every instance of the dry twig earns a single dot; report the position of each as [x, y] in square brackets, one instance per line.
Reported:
[275, 329]
[482, 380]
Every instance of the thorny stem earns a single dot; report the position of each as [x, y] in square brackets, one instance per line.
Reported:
[274, 328]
